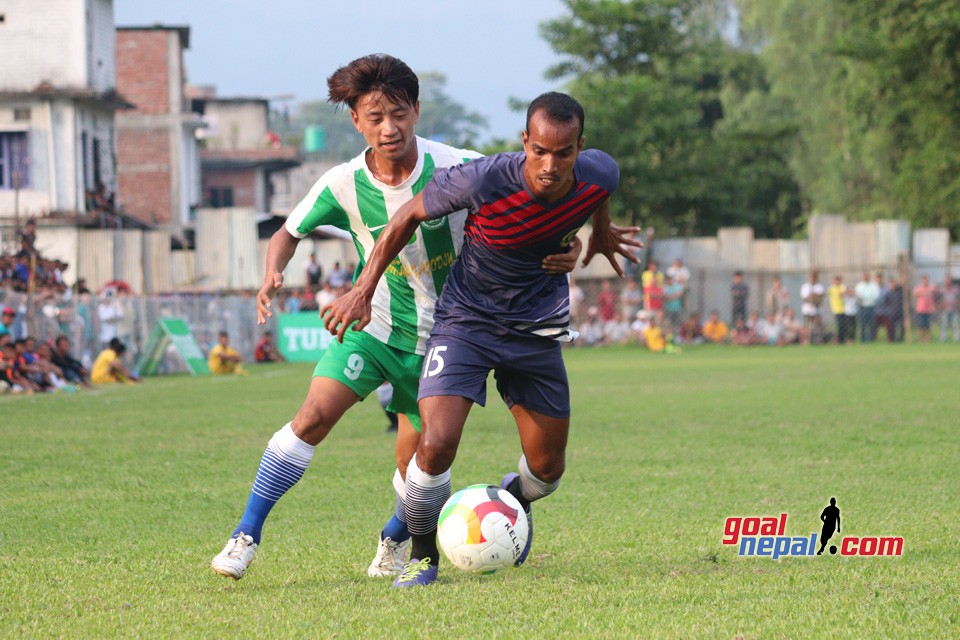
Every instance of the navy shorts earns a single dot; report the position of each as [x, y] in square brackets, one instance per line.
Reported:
[529, 370]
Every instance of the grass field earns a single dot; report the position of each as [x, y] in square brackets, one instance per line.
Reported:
[113, 502]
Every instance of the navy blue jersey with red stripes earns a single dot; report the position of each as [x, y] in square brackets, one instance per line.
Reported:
[498, 281]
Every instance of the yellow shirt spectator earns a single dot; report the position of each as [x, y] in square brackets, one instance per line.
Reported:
[108, 368]
[224, 358]
[654, 339]
[715, 329]
[836, 293]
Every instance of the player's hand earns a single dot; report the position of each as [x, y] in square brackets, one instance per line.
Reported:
[271, 284]
[351, 307]
[615, 240]
[564, 262]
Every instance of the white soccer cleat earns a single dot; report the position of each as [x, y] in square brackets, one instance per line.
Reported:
[391, 557]
[233, 561]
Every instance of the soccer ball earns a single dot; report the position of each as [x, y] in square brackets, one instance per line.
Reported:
[482, 528]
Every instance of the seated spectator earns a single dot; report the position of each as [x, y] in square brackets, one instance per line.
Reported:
[10, 370]
[715, 330]
[28, 366]
[267, 351]
[691, 331]
[768, 330]
[640, 325]
[108, 367]
[224, 358]
[653, 337]
[54, 374]
[791, 329]
[616, 331]
[6, 321]
[742, 335]
[73, 369]
[592, 330]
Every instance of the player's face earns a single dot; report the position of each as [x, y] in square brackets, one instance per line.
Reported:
[552, 149]
[388, 127]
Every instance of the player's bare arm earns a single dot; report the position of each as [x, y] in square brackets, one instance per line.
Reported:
[354, 306]
[279, 252]
[609, 239]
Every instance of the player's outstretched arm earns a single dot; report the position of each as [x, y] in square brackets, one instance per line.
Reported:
[279, 252]
[354, 306]
[564, 262]
[609, 239]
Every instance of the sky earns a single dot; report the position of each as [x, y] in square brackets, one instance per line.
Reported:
[490, 50]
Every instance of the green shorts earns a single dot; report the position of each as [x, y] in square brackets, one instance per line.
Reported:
[362, 363]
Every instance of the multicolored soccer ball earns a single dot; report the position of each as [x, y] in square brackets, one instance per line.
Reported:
[482, 528]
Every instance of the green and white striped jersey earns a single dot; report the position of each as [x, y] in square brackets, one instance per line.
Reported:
[350, 198]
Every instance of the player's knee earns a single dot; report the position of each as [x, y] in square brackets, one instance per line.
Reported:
[312, 424]
[435, 457]
[547, 469]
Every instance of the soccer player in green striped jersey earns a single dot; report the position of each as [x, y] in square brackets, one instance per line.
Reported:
[360, 197]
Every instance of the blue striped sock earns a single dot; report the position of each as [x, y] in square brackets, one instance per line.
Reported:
[396, 527]
[281, 467]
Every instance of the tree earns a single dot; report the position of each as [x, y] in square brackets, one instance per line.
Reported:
[651, 75]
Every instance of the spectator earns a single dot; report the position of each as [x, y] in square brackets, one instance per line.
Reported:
[851, 308]
[616, 330]
[679, 273]
[739, 294]
[653, 295]
[777, 298]
[868, 293]
[576, 302]
[890, 312]
[109, 313]
[742, 335]
[267, 351]
[607, 301]
[818, 333]
[6, 321]
[54, 374]
[27, 238]
[73, 369]
[924, 301]
[10, 370]
[812, 295]
[673, 304]
[224, 358]
[715, 330]
[292, 304]
[791, 329]
[640, 325]
[325, 296]
[339, 279]
[691, 331]
[631, 299]
[592, 331]
[950, 310]
[835, 294]
[653, 336]
[650, 276]
[768, 330]
[108, 367]
[313, 271]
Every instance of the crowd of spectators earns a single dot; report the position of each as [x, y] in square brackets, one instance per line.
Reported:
[652, 309]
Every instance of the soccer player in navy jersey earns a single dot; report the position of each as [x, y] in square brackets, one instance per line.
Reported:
[498, 310]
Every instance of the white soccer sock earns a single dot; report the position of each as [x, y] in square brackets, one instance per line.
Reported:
[531, 487]
[425, 495]
[401, 490]
[286, 444]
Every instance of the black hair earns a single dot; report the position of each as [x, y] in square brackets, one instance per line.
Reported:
[376, 72]
[559, 107]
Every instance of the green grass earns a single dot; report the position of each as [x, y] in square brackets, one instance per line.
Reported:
[113, 501]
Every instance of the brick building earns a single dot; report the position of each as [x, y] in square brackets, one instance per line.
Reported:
[57, 101]
[158, 158]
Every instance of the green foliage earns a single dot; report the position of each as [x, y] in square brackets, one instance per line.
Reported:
[658, 84]
[874, 86]
[115, 499]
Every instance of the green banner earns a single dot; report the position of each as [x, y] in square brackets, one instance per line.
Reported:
[301, 336]
[172, 331]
